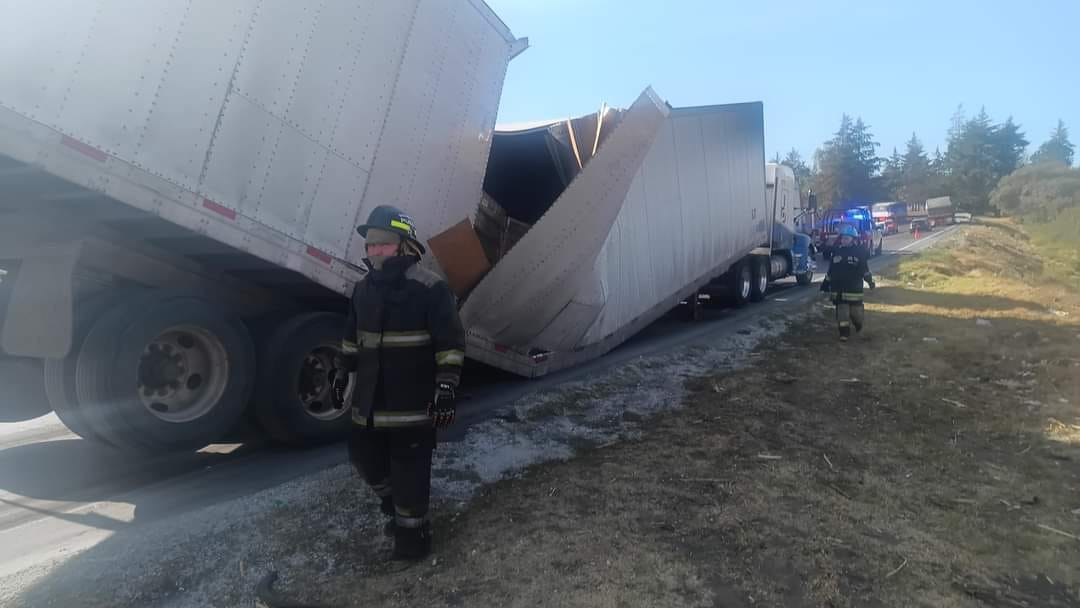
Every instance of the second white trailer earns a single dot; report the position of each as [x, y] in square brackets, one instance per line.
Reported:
[672, 200]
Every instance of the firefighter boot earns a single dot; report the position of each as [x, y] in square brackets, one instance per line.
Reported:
[387, 508]
[412, 544]
[845, 332]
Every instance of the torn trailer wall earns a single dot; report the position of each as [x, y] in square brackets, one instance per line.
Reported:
[669, 201]
[529, 168]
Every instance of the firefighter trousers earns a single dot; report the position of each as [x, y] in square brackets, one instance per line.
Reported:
[396, 464]
[848, 315]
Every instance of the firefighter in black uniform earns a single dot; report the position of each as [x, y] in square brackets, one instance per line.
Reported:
[402, 355]
[848, 270]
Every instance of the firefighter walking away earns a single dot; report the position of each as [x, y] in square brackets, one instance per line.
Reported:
[848, 270]
[402, 353]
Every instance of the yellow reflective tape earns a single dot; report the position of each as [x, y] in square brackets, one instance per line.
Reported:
[393, 339]
[369, 339]
[852, 296]
[405, 338]
[392, 419]
[401, 225]
[450, 357]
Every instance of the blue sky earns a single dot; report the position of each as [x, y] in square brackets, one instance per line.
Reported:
[902, 66]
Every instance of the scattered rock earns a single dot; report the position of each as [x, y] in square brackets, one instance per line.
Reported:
[983, 322]
[783, 378]
[930, 339]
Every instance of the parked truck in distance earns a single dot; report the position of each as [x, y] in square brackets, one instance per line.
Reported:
[939, 211]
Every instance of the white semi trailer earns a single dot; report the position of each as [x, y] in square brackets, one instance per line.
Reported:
[180, 182]
[179, 187]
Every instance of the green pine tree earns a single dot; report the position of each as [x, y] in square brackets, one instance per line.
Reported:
[916, 176]
[848, 163]
[979, 154]
[1056, 149]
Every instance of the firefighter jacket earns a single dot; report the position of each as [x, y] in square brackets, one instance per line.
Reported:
[402, 337]
[848, 269]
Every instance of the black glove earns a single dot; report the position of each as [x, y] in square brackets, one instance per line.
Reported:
[444, 409]
[871, 283]
[825, 285]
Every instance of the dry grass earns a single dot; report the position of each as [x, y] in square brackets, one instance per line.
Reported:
[931, 462]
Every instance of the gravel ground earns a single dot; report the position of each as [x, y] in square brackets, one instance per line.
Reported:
[324, 529]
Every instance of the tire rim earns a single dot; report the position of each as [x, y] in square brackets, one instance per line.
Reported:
[315, 385]
[763, 282]
[182, 374]
[744, 286]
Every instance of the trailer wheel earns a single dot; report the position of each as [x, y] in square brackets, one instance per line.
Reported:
[742, 283]
[294, 401]
[760, 268]
[60, 373]
[165, 372]
[804, 279]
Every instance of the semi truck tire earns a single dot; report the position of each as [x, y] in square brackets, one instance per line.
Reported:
[760, 268]
[60, 373]
[23, 396]
[741, 283]
[294, 399]
[165, 372]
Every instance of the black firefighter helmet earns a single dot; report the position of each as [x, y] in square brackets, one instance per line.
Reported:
[391, 219]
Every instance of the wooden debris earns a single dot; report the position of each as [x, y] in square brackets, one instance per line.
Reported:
[898, 569]
[829, 462]
[1056, 531]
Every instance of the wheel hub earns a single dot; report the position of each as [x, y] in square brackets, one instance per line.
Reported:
[315, 385]
[182, 374]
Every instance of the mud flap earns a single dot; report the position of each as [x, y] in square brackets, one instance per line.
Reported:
[39, 316]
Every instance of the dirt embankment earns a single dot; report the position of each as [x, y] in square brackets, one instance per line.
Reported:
[934, 461]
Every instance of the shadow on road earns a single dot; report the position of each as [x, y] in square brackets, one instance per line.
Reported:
[78, 470]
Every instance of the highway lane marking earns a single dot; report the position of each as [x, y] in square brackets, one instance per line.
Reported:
[927, 239]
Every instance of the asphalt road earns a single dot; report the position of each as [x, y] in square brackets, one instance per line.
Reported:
[59, 493]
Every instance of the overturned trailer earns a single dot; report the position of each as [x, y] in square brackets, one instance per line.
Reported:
[177, 231]
[629, 214]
